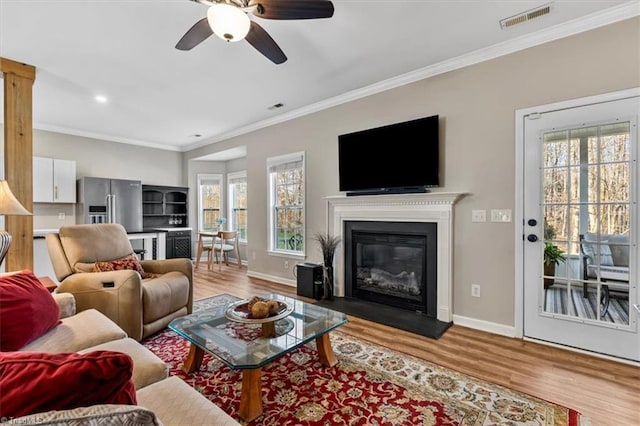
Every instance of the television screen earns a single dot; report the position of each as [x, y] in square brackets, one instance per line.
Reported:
[401, 157]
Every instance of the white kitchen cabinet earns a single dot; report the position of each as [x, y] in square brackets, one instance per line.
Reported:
[54, 180]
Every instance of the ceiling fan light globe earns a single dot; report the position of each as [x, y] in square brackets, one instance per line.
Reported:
[228, 22]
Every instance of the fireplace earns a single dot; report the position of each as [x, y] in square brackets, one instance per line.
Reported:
[393, 263]
[434, 208]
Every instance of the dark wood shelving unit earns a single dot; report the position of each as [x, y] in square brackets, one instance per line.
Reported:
[168, 207]
[165, 206]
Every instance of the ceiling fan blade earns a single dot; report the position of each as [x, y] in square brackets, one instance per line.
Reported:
[292, 9]
[196, 35]
[263, 42]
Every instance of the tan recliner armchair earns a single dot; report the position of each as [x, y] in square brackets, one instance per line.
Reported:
[139, 306]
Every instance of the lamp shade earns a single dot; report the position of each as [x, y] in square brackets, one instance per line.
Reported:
[9, 205]
[228, 22]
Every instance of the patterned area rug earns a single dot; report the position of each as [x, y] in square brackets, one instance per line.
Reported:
[371, 385]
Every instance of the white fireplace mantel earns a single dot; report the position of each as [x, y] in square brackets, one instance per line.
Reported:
[436, 207]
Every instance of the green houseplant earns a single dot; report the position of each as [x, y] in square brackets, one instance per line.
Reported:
[553, 255]
[328, 245]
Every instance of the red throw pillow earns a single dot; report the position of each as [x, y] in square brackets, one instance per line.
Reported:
[27, 310]
[36, 382]
[127, 262]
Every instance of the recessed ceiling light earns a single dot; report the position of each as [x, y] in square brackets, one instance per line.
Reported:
[101, 99]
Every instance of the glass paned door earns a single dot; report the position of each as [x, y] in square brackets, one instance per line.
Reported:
[587, 218]
[580, 244]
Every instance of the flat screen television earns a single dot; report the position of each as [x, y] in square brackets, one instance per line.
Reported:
[397, 158]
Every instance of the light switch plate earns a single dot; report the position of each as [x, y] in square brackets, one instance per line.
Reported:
[478, 215]
[501, 215]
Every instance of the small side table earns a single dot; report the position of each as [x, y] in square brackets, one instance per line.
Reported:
[48, 283]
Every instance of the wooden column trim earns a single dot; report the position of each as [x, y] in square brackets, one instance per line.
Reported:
[7, 66]
[18, 157]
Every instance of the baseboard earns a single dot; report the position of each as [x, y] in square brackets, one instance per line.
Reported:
[279, 280]
[232, 260]
[490, 327]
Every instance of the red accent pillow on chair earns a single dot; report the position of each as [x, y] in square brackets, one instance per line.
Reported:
[27, 310]
[35, 382]
[128, 262]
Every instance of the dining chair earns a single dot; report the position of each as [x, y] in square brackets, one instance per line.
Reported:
[227, 242]
[206, 242]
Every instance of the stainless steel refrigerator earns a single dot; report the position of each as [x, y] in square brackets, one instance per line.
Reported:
[104, 200]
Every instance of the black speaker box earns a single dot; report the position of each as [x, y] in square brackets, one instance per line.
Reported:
[309, 277]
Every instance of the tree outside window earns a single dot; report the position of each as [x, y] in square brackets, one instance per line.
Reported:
[287, 195]
[209, 197]
[238, 204]
[586, 182]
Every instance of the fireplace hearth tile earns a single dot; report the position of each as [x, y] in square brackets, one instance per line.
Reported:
[402, 319]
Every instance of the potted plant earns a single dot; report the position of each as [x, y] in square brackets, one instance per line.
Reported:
[553, 255]
[328, 244]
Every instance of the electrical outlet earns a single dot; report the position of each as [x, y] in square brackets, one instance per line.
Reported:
[61, 216]
[286, 264]
[475, 290]
[478, 215]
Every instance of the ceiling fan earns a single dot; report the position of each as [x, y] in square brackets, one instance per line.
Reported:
[229, 20]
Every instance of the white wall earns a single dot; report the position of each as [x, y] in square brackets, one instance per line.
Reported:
[101, 158]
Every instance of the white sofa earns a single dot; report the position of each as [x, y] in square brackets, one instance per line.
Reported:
[161, 399]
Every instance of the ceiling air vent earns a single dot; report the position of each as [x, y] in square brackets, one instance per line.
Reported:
[525, 16]
[276, 106]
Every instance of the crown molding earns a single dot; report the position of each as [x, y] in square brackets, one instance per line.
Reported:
[108, 138]
[566, 29]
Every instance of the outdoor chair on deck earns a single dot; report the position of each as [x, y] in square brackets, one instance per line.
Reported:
[295, 242]
[606, 258]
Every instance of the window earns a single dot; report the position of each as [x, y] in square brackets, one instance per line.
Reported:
[209, 200]
[587, 176]
[286, 196]
[237, 183]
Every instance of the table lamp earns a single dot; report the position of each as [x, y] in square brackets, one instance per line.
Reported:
[9, 206]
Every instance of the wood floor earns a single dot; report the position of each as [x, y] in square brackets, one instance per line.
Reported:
[606, 391]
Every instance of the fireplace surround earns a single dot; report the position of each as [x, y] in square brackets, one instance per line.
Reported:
[435, 208]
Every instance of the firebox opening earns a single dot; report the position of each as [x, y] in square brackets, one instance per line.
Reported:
[392, 263]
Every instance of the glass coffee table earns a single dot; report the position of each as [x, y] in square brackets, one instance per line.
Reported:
[248, 345]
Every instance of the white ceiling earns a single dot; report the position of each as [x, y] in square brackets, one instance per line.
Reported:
[161, 97]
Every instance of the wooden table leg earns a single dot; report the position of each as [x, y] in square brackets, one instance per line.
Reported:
[199, 250]
[194, 359]
[325, 351]
[251, 396]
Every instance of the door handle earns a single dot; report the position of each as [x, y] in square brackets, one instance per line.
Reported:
[532, 222]
[532, 237]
